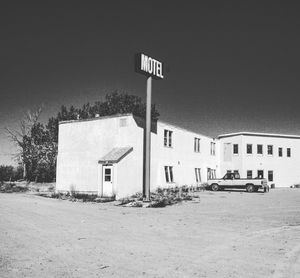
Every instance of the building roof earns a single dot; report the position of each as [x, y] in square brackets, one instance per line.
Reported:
[246, 133]
[96, 118]
[184, 129]
[115, 155]
[130, 114]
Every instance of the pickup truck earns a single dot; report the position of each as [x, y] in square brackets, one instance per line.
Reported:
[233, 180]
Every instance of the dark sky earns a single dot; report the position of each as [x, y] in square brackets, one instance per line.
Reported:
[234, 66]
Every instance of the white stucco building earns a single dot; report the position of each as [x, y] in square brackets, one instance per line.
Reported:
[104, 156]
[275, 157]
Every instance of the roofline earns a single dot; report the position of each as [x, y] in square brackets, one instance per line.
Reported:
[246, 133]
[131, 114]
[185, 129]
[96, 118]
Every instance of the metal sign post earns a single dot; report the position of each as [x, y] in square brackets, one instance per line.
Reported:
[152, 68]
[148, 139]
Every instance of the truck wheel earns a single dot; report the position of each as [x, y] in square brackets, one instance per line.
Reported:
[214, 187]
[250, 188]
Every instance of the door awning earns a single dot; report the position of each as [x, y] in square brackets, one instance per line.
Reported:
[115, 155]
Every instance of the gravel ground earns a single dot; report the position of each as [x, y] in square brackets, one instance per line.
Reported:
[220, 234]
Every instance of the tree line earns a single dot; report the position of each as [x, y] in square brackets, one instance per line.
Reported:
[38, 143]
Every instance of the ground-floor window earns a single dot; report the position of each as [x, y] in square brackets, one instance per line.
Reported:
[198, 175]
[260, 174]
[211, 173]
[270, 175]
[249, 174]
[169, 173]
[236, 174]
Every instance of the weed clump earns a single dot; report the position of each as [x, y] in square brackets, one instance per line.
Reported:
[77, 197]
[11, 187]
[161, 197]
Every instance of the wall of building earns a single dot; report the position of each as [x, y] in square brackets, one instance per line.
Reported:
[228, 160]
[83, 143]
[286, 170]
[181, 156]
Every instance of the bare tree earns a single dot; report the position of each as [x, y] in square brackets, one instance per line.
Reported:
[18, 136]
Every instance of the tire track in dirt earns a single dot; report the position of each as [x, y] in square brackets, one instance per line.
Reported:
[289, 266]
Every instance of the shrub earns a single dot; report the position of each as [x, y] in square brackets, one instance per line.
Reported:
[9, 187]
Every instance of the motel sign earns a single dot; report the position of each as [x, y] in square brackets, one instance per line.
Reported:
[149, 66]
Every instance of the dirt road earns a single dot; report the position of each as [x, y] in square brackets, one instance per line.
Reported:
[223, 234]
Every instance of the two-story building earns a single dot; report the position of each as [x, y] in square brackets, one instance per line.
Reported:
[275, 157]
[105, 156]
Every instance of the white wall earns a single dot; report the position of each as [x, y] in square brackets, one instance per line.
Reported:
[83, 143]
[286, 170]
[181, 156]
[80, 146]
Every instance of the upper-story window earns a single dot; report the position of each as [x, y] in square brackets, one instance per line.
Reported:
[168, 138]
[197, 145]
[259, 149]
[212, 148]
[123, 122]
[235, 148]
[280, 152]
[249, 148]
[288, 152]
[270, 150]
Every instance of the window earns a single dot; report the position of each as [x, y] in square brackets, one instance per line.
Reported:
[169, 173]
[211, 173]
[259, 149]
[236, 174]
[228, 176]
[198, 175]
[249, 174]
[197, 145]
[168, 138]
[260, 174]
[228, 171]
[280, 152]
[249, 148]
[235, 148]
[123, 122]
[270, 150]
[212, 148]
[107, 174]
[270, 175]
[288, 152]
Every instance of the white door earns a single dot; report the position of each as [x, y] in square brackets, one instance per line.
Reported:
[107, 184]
[227, 151]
